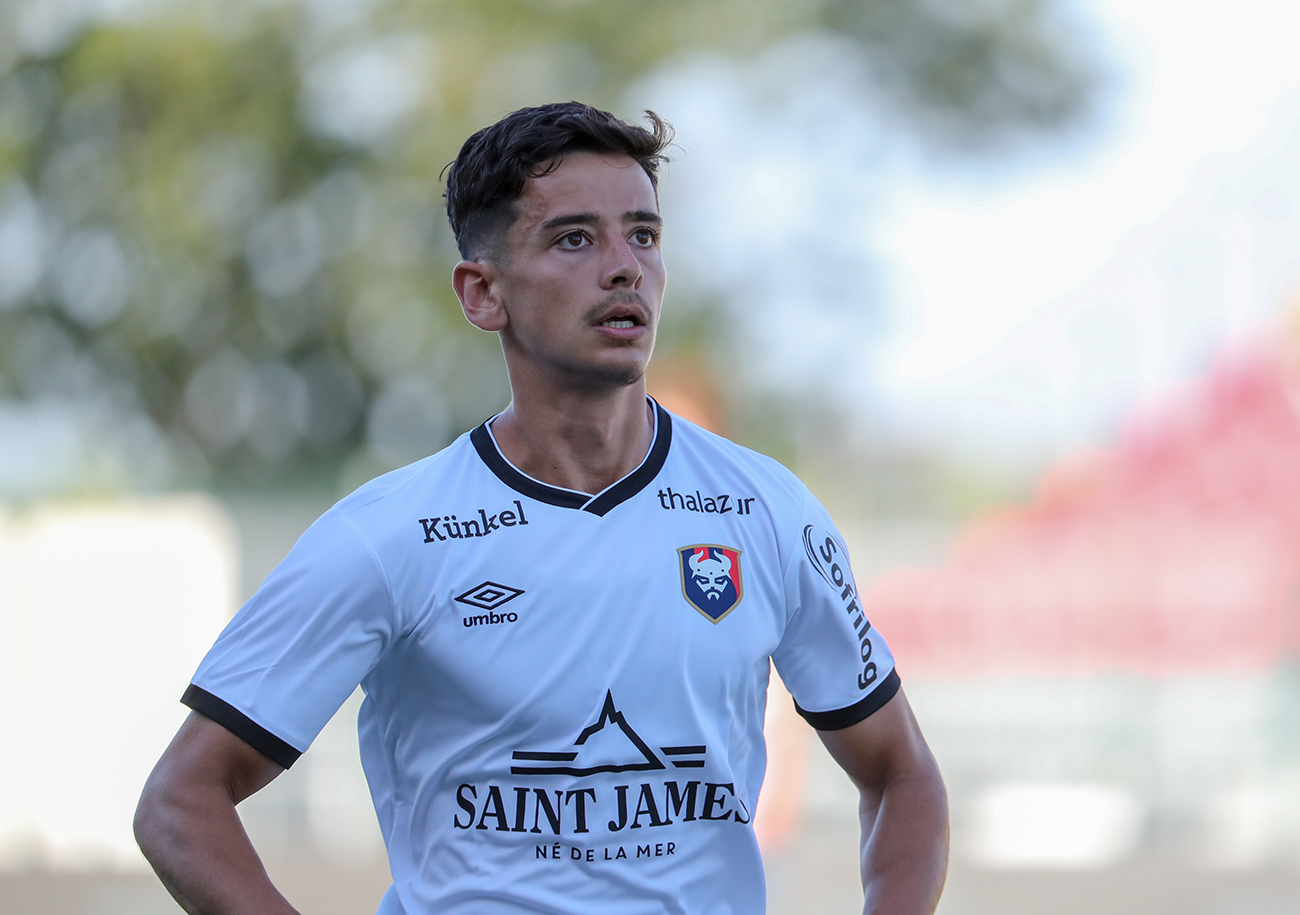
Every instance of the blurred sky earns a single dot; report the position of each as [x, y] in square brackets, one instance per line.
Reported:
[1018, 302]
[1045, 303]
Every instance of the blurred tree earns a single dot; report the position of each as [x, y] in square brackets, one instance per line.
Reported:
[221, 226]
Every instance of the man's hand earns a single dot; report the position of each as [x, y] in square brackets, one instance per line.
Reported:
[904, 809]
[187, 826]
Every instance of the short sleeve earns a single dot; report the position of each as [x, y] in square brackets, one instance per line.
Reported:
[836, 665]
[295, 652]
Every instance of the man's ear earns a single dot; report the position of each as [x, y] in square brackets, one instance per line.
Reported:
[474, 282]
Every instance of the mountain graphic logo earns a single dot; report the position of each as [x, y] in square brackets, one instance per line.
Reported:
[608, 745]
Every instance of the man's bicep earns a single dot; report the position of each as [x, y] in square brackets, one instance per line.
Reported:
[205, 753]
[886, 745]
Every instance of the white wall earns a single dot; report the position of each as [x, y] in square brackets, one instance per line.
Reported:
[105, 611]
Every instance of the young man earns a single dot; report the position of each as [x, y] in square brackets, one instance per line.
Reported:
[563, 621]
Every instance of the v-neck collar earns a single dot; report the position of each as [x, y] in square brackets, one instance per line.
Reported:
[600, 503]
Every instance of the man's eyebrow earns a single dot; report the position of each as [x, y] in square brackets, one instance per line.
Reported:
[570, 219]
[588, 219]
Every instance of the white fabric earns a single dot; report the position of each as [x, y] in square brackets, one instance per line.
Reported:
[602, 639]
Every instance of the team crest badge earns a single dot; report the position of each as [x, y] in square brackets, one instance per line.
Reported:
[711, 581]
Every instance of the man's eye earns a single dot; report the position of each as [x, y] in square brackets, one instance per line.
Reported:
[645, 237]
[573, 240]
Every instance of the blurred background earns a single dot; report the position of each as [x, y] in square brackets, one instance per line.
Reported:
[1013, 284]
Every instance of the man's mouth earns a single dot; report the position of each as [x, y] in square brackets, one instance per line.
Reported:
[620, 311]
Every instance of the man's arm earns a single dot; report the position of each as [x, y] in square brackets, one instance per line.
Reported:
[904, 809]
[187, 826]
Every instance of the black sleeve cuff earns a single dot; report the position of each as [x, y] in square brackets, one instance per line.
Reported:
[239, 724]
[842, 718]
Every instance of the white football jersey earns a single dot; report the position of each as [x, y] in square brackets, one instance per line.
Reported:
[564, 693]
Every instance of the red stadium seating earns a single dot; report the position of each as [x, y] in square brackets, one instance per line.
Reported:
[1178, 552]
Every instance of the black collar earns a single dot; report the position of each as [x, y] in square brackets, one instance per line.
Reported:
[599, 504]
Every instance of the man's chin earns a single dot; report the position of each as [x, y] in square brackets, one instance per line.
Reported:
[607, 376]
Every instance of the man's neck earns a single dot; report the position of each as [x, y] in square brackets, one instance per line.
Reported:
[583, 441]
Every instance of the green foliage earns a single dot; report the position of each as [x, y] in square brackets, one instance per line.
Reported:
[969, 70]
[202, 243]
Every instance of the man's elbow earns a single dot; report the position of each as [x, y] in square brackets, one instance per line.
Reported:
[927, 767]
[159, 813]
[921, 773]
[149, 821]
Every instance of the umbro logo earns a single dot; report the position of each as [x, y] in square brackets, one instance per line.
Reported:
[489, 595]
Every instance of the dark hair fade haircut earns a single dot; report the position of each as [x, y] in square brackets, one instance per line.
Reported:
[487, 177]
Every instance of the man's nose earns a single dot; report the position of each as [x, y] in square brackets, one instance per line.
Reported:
[622, 268]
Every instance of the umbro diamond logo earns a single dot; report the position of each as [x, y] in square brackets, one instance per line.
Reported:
[489, 595]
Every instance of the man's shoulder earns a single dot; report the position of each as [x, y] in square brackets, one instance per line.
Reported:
[706, 449]
[398, 487]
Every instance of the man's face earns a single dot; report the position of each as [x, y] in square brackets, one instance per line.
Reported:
[581, 276]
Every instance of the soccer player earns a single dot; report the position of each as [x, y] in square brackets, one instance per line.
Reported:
[563, 621]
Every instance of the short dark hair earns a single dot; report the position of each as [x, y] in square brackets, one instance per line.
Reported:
[487, 177]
